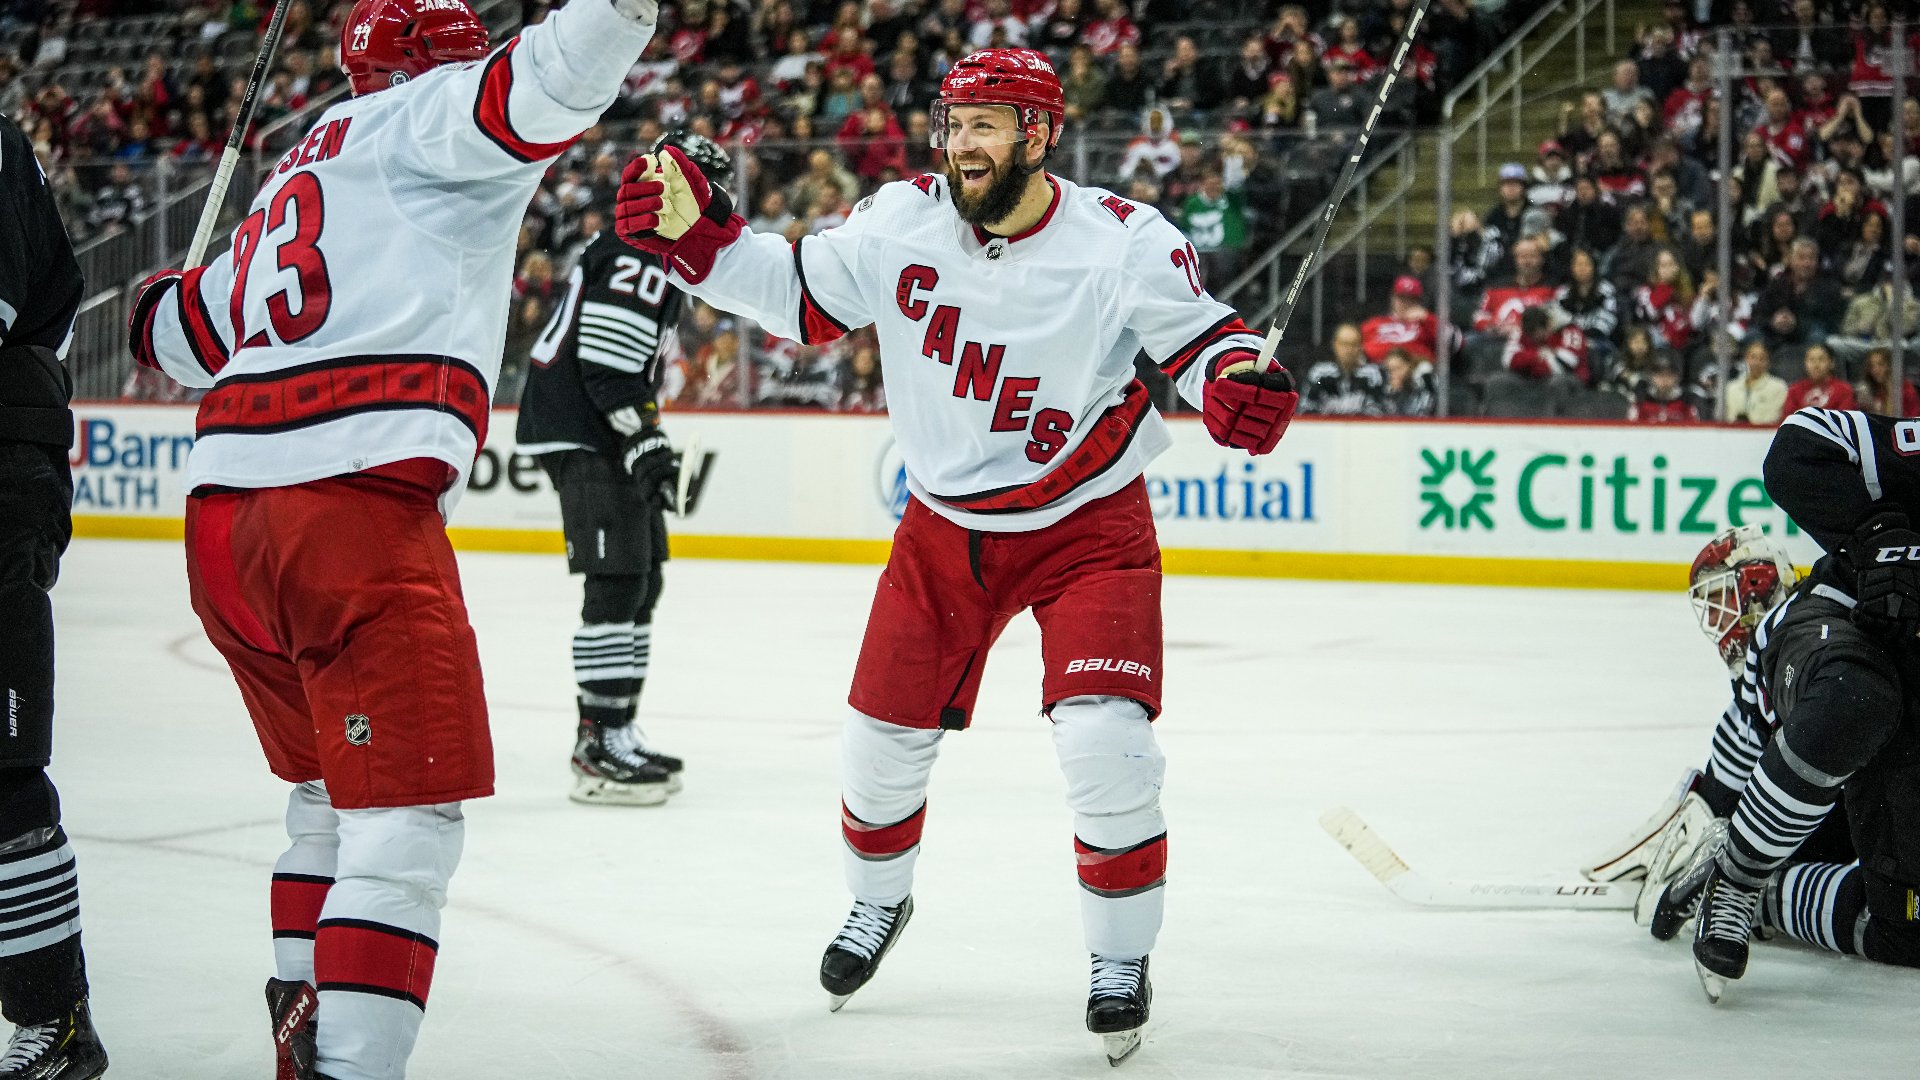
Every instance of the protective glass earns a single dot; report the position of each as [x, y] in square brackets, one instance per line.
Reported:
[966, 126]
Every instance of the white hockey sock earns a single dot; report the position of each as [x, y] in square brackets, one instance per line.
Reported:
[301, 879]
[379, 936]
[1114, 770]
[884, 770]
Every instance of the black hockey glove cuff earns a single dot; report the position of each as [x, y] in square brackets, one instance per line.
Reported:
[648, 458]
[1885, 554]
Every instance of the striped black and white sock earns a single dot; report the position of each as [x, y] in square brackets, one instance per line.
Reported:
[39, 892]
[603, 653]
[642, 649]
[1823, 904]
[1782, 805]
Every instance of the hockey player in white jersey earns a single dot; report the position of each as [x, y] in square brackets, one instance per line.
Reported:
[1010, 305]
[351, 338]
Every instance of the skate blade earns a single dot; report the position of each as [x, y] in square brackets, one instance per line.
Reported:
[674, 785]
[593, 791]
[1120, 1045]
[834, 1001]
[1714, 985]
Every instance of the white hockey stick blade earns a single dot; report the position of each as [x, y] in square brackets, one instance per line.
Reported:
[691, 457]
[1390, 870]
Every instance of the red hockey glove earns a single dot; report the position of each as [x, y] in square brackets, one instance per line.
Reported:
[665, 205]
[1249, 410]
[140, 320]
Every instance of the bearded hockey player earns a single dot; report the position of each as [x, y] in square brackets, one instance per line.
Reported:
[351, 338]
[1830, 670]
[591, 414]
[1009, 305]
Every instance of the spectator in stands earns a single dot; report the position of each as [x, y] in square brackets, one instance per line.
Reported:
[1538, 351]
[1058, 32]
[1699, 247]
[825, 180]
[1346, 385]
[1130, 86]
[1820, 389]
[1214, 217]
[1341, 107]
[1249, 78]
[1692, 180]
[999, 16]
[1590, 302]
[1624, 93]
[1187, 83]
[1502, 220]
[1873, 394]
[1550, 181]
[1629, 264]
[1618, 177]
[1581, 125]
[1892, 170]
[772, 216]
[1840, 220]
[1279, 111]
[872, 140]
[1112, 30]
[1685, 107]
[1303, 67]
[861, 389]
[1156, 148]
[1860, 265]
[1631, 364]
[1184, 179]
[1757, 396]
[1811, 41]
[1785, 133]
[1408, 387]
[1537, 225]
[1589, 221]
[1846, 150]
[1660, 68]
[1470, 259]
[1085, 85]
[1661, 400]
[1406, 327]
[535, 292]
[1505, 301]
[1796, 197]
[1800, 305]
[117, 201]
[1767, 253]
[1665, 302]
[1869, 322]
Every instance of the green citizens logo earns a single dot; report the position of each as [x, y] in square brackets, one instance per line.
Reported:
[1555, 493]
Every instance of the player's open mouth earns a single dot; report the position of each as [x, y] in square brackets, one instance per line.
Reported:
[970, 173]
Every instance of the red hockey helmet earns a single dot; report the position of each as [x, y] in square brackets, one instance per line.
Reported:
[1737, 578]
[386, 42]
[1021, 79]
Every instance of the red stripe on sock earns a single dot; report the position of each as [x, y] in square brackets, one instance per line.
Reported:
[386, 959]
[1122, 869]
[870, 839]
[295, 902]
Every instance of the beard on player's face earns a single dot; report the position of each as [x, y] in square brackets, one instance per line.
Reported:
[1007, 183]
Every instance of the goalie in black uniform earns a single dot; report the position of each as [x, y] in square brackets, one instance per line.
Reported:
[589, 412]
[43, 978]
[1830, 666]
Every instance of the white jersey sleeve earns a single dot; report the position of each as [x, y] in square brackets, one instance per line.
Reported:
[1181, 326]
[528, 101]
[182, 326]
[808, 291]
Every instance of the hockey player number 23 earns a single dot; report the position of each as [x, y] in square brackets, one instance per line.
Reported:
[1185, 259]
[298, 199]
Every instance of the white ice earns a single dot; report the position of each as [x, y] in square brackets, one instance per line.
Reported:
[1481, 731]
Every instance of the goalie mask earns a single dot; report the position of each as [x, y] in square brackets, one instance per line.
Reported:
[1737, 578]
[1021, 82]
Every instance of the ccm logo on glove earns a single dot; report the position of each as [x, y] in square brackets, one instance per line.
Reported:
[1898, 554]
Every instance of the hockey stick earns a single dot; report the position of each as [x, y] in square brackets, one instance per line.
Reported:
[1370, 851]
[1340, 186]
[230, 157]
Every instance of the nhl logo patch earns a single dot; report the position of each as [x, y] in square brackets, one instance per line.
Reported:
[359, 729]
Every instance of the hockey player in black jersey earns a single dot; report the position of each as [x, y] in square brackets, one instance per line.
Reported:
[591, 415]
[1831, 671]
[43, 979]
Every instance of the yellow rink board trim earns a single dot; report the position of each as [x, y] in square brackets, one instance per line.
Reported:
[1322, 566]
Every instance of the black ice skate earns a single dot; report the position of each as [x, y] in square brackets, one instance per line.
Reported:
[66, 1049]
[291, 1007]
[1726, 919]
[667, 762]
[1681, 897]
[609, 771]
[1118, 1003]
[862, 943]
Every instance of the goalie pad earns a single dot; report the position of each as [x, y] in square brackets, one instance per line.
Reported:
[1627, 860]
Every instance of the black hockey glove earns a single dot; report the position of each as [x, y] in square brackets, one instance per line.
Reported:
[648, 458]
[1885, 552]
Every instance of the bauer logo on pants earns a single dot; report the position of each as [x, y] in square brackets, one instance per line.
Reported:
[1124, 667]
[359, 729]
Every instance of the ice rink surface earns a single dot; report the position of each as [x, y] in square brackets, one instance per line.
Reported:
[1483, 732]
